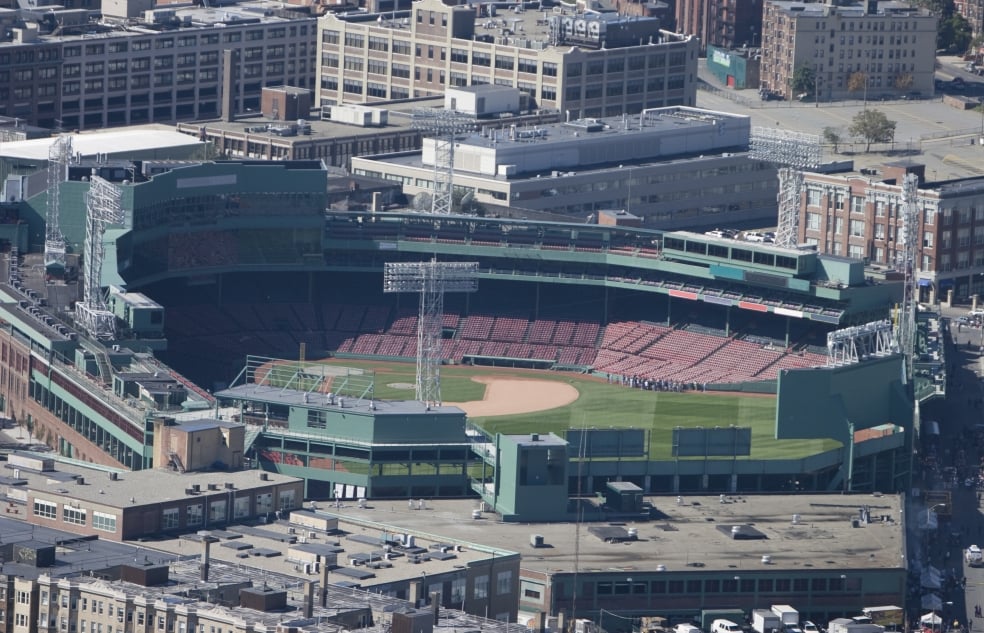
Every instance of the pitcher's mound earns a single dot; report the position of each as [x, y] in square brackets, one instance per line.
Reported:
[507, 396]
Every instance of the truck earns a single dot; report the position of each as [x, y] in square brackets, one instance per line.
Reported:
[973, 556]
[765, 621]
[889, 617]
[788, 616]
[848, 625]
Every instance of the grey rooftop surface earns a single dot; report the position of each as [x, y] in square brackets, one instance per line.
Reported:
[361, 541]
[683, 534]
[74, 555]
[143, 487]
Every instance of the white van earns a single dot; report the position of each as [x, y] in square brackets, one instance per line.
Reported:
[686, 628]
[973, 556]
[724, 626]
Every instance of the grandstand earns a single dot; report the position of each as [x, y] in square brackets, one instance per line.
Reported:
[285, 276]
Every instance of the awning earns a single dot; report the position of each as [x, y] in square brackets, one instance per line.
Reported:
[925, 282]
[931, 601]
[931, 619]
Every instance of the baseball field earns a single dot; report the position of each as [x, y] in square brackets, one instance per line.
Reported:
[523, 401]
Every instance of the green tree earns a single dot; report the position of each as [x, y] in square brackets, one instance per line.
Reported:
[873, 126]
[832, 136]
[803, 81]
[954, 34]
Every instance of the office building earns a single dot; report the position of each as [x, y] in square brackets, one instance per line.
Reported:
[859, 216]
[584, 65]
[853, 50]
[653, 165]
[138, 64]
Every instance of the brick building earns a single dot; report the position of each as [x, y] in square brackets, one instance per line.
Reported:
[726, 24]
[858, 216]
[853, 50]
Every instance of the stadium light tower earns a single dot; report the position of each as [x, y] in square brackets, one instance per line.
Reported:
[59, 158]
[906, 240]
[431, 279]
[794, 152]
[445, 126]
[103, 207]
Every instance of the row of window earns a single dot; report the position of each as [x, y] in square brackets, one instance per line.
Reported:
[184, 41]
[729, 585]
[75, 516]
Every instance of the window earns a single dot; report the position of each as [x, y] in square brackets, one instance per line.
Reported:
[170, 518]
[503, 582]
[857, 204]
[287, 499]
[549, 69]
[504, 62]
[855, 251]
[241, 508]
[481, 587]
[928, 239]
[104, 522]
[813, 197]
[838, 226]
[75, 516]
[217, 511]
[45, 509]
[193, 515]
[857, 228]
[813, 221]
[23, 597]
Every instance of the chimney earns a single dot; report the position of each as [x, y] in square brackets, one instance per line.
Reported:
[324, 584]
[309, 599]
[230, 63]
[435, 599]
[206, 546]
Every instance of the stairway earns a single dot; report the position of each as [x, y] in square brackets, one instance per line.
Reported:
[105, 371]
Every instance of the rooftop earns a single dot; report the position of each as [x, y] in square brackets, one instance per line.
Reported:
[275, 547]
[683, 534]
[145, 487]
[847, 9]
[132, 139]
[328, 401]
[73, 555]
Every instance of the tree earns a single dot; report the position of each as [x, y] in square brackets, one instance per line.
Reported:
[954, 34]
[873, 126]
[832, 136]
[803, 81]
[903, 81]
[857, 81]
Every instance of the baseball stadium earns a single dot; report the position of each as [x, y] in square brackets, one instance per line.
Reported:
[590, 358]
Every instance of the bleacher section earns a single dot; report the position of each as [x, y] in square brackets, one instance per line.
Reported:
[217, 337]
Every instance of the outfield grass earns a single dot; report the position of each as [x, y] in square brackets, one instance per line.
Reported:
[602, 405]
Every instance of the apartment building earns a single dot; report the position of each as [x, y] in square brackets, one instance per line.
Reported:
[725, 24]
[583, 65]
[859, 216]
[164, 65]
[850, 49]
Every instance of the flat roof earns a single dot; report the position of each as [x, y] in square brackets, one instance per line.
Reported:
[73, 554]
[144, 487]
[357, 541]
[131, 139]
[684, 533]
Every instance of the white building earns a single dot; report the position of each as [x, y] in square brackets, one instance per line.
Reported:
[673, 167]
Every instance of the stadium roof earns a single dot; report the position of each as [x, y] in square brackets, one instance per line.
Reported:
[115, 142]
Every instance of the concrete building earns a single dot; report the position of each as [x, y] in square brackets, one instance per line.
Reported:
[382, 557]
[675, 556]
[853, 49]
[119, 506]
[585, 65]
[735, 68]
[648, 165]
[858, 216]
[139, 65]
[724, 24]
